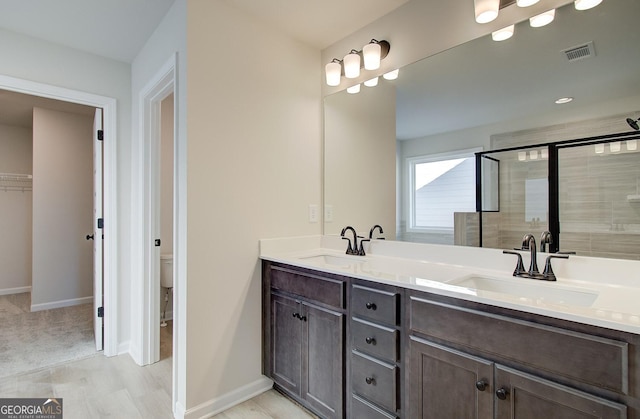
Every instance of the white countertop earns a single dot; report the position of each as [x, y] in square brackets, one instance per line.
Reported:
[596, 291]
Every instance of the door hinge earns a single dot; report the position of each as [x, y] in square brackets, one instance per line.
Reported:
[100, 311]
[100, 223]
[100, 135]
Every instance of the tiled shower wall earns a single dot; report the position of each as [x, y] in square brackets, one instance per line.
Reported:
[598, 214]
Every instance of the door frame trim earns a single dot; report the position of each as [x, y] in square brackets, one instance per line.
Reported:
[110, 204]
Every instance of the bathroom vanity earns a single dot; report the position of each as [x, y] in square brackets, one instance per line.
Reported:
[399, 334]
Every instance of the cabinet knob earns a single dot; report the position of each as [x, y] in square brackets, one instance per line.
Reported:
[481, 385]
[370, 341]
[501, 393]
[371, 306]
[370, 380]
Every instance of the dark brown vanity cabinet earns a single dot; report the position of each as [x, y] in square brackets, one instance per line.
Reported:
[469, 363]
[304, 328]
[375, 344]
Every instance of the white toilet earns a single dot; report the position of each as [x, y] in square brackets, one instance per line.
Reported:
[166, 270]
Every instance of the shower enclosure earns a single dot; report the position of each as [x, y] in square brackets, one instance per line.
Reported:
[586, 192]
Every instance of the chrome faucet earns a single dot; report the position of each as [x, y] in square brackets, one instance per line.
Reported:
[529, 243]
[350, 250]
[545, 238]
[373, 229]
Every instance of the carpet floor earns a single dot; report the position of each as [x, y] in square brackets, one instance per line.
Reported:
[34, 340]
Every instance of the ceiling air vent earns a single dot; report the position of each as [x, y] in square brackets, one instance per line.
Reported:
[580, 52]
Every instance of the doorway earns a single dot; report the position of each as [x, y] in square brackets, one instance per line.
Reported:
[109, 182]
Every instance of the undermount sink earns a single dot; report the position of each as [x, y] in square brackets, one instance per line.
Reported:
[529, 290]
[332, 260]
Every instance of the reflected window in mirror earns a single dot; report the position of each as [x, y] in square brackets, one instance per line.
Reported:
[439, 186]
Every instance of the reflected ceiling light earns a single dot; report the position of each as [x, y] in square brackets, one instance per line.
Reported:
[351, 64]
[614, 147]
[486, 10]
[586, 4]
[599, 148]
[522, 155]
[526, 3]
[354, 89]
[333, 71]
[563, 100]
[533, 154]
[632, 145]
[503, 34]
[544, 153]
[391, 75]
[633, 123]
[542, 19]
[371, 82]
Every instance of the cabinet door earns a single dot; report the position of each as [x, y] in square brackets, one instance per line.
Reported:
[445, 383]
[286, 341]
[323, 360]
[526, 396]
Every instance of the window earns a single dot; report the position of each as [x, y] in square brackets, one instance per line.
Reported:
[440, 185]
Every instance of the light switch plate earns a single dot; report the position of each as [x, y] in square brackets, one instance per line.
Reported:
[328, 213]
[313, 213]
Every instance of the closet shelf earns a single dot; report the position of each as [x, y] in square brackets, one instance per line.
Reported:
[16, 182]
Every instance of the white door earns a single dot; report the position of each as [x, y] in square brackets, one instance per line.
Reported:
[97, 230]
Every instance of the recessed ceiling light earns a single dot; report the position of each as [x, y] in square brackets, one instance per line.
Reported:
[564, 100]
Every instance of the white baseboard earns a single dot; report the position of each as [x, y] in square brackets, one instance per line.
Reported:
[61, 303]
[124, 347]
[224, 402]
[18, 290]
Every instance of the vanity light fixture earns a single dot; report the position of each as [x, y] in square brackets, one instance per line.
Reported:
[544, 154]
[370, 55]
[391, 75]
[352, 64]
[354, 89]
[371, 82]
[586, 4]
[533, 154]
[486, 10]
[542, 19]
[632, 145]
[614, 147]
[563, 100]
[599, 148]
[522, 155]
[503, 34]
[526, 3]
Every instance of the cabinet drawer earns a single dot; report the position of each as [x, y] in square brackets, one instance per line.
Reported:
[314, 287]
[536, 346]
[374, 380]
[374, 339]
[362, 409]
[373, 304]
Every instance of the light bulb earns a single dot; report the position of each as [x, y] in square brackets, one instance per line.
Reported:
[586, 4]
[352, 65]
[332, 71]
[371, 82]
[354, 89]
[533, 154]
[391, 75]
[632, 145]
[522, 155]
[542, 19]
[503, 34]
[526, 3]
[371, 54]
[544, 154]
[486, 10]
[599, 148]
[614, 147]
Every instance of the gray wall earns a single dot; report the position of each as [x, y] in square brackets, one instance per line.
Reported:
[62, 209]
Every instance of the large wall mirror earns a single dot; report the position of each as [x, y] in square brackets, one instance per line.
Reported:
[412, 140]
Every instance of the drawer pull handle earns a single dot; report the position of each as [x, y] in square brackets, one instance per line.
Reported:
[370, 341]
[370, 380]
[371, 306]
[481, 385]
[501, 393]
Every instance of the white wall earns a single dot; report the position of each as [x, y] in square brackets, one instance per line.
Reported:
[44, 62]
[254, 159]
[62, 208]
[16, 152]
